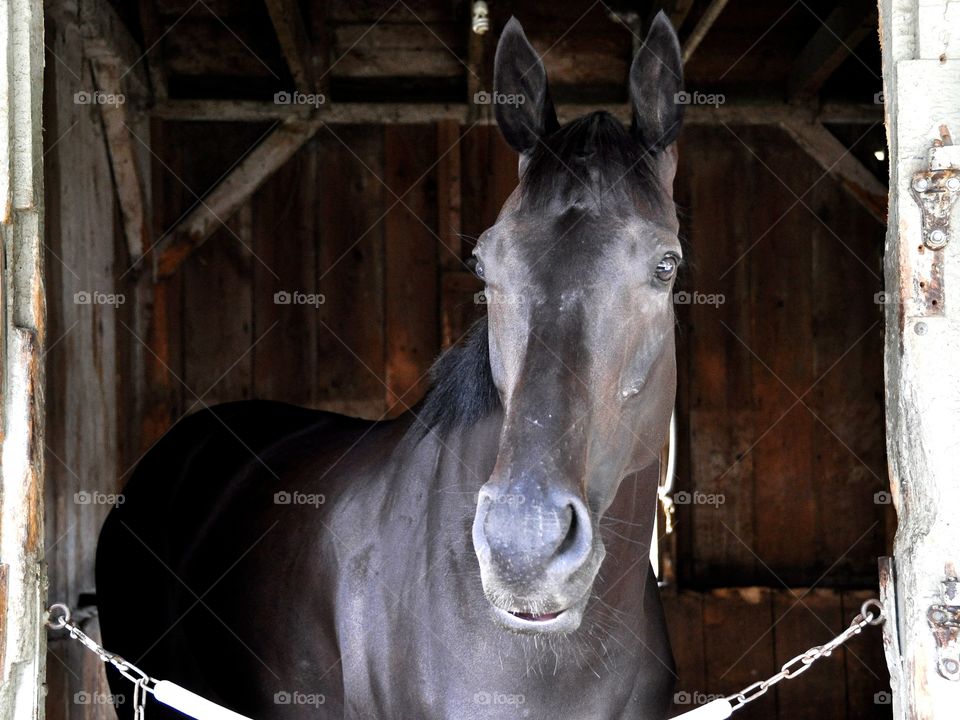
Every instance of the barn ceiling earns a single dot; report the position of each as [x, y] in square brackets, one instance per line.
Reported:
[811, 67]
[421, 50]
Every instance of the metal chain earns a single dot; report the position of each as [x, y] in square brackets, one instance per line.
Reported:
[802, 662]
[59, 618]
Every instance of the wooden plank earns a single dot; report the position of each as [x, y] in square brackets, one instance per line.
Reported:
[781, 353]
[292, 36]
[411, 262]
[700, 30]
[849, 444]
[804, 618]
[231, 192]
[449, 195]
[459, 305]
[833, 42]
[217, 312]
[351, 354]
[865, 673]
[161, 301]
[82, 443]
[285, 223]
[738, 646]
[404, 49]
[684, 613]
[106, 37]
[836, 159]
[218, 317]
[741, 113]
[922, 92]
[127, 180]
[489, 176]
[21, 516]
[718, 539]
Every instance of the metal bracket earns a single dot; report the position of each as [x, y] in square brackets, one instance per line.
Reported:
[944, 621]
[936, 193]
[935, 190]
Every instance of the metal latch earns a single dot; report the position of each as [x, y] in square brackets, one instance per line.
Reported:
[944, 621]
[935, 191]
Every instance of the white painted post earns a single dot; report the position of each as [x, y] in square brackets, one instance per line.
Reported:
[921, 74]
[22, 576]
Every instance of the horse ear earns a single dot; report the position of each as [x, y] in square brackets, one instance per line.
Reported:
[522, 103]
[656, 77]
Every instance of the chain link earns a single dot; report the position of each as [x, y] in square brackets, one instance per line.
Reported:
[59, 618]
[805, 660]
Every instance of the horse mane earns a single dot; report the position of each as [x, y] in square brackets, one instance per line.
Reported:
[461, 384]
[587, 161]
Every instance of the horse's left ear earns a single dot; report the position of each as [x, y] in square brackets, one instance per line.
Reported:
[656, 77]
[522, 103]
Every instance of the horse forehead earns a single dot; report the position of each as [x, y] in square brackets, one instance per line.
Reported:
[579, 242]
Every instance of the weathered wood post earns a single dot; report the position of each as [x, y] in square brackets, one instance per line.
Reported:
[22, 571]
[921, 75]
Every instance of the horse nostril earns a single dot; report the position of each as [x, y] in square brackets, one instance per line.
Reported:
[570, 537]
[575, 546]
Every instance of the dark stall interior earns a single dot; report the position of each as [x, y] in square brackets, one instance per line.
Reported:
[201, 198]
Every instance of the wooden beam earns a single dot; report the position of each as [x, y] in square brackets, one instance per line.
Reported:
[106, 37]
[150, 27]
[234, 190]
[834, 42]
[921, 52]
[291, 34]
[834, 157]
[744, 113]
[702, 27]
[127, 179]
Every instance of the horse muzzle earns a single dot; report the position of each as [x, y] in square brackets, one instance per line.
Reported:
[539, 554]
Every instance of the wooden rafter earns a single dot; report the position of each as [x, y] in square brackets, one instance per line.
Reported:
[700, 30]
[127, 179]
[294, 42]
[677, 11]
[833, 43]
[834, 157]
[742, 113]
[231, 192]
[106, 37]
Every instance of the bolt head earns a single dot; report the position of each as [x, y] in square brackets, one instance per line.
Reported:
[953, 184]
[936, 239]
[920, 184]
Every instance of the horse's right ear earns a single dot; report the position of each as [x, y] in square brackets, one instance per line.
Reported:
[522, 103]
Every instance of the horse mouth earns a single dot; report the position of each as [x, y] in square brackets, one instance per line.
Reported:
[564, 620]
[532, 617]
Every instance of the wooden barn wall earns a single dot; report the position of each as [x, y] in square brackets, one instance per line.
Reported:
[779, 320]
[781, 383]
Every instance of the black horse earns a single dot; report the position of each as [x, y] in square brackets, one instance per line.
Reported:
[451, 563]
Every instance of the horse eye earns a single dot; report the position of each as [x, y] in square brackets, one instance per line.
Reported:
[666, 268]
[477, 267]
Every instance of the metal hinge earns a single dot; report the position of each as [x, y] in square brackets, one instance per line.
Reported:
[944, 622]
[935, 191]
